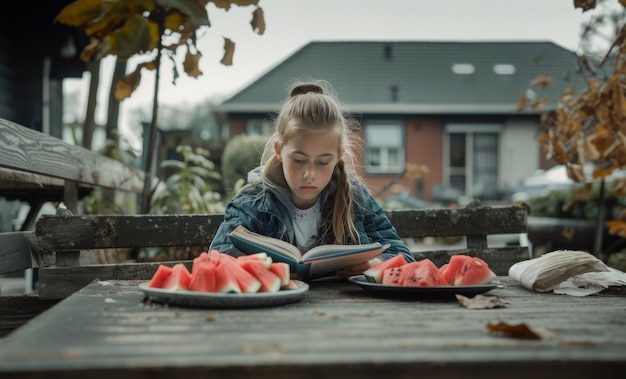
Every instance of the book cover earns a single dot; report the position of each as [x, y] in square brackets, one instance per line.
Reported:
[320, 261]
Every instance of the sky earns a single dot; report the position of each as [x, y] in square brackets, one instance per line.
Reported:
[291, 24]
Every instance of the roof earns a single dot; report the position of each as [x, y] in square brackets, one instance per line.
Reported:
[416, 77]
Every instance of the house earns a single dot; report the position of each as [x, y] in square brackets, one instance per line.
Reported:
[448, 106]
[36, 54]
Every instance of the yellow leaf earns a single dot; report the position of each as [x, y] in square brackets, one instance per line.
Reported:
[79, 13]
[136, 35]
[229, 51]
[125, 87]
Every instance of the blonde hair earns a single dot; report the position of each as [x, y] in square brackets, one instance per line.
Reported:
[312, 106]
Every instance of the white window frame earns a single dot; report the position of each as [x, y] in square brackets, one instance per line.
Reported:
[385, 167]
[469, 129]
[259, 127]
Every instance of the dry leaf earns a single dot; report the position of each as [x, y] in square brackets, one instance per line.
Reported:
[481, 302]
[190, 65]
[519, 331]
[125, 87]
[229, 51]
[523, 102]
[585, 5]
[258, 21]
[542, 81]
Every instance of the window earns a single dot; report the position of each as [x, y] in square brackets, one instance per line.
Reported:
[384, 152]
[463, 68]
[471, 159]
[258, 127]
[504, 69]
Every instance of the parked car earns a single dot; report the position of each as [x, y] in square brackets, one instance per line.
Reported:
[555, 178]
[560, 220]
[541, 183]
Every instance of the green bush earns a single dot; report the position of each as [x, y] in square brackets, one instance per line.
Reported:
[241, 154]
[580, 203]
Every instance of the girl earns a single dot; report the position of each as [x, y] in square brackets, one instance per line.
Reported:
[306, 190]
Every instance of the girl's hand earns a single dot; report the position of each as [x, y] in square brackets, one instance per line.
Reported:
[357, 269]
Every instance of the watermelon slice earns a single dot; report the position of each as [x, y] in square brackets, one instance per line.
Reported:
[474, 271]
[178, 279]
[226, 280]
[422, 273]
[291, 285]
[270, 282]
[375, 274]
[393, 275]
[203, 277]
[281, 269]
[451, 270]
[247, 282]
[161, 274]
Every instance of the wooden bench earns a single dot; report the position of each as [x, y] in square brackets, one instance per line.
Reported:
[37, 168]
[55, 236]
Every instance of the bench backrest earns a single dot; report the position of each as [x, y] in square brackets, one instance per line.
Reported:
[57, 239]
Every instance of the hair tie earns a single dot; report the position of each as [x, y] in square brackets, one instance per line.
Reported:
[303, 89]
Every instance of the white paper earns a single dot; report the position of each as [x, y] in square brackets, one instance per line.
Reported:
[569, 272]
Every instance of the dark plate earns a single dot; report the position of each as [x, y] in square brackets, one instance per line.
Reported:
[195, 299]
[425, 291]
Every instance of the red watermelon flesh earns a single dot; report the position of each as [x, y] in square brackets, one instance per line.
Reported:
[161, 274]
[375, 274]
[474, 271]
[421, 273]
[427, 274]
[392, 275]
[203, 277]
[179, 278]
[282, 270]
[226, 280]
[450, 271]
[247, 282]
[270, 282]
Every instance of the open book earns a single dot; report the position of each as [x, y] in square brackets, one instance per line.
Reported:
[320, 261]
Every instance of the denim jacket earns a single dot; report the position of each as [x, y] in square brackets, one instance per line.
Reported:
[266, 210]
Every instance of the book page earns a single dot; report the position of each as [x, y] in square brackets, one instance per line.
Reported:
[334, 250]
[258, 242]
[329, 265]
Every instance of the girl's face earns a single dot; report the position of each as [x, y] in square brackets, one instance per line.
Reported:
[308, 163]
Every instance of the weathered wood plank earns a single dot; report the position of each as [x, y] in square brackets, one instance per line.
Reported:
[59, 233]
[30, 151]
[460, 222]
[57, 282]
[18, 251]
[15, 311]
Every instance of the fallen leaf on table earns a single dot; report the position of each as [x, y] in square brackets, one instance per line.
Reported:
[519, 331]
[481, 302]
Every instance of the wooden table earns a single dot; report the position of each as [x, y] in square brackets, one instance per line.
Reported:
[337, 330]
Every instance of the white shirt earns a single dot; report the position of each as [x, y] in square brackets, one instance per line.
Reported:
[305, 224]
